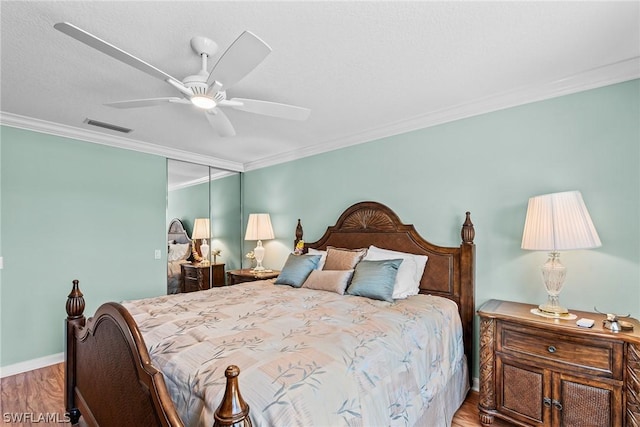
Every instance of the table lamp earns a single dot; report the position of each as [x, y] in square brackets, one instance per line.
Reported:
[557, 222]
[259, 228]
[202, 230]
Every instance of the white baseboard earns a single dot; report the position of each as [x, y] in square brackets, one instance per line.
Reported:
[476, 384]
[30, 365]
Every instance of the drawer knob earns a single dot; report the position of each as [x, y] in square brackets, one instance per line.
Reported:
[551, 349]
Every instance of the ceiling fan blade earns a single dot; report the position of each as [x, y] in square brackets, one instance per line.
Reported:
[151, 102]
[114, 52]
[220, 122]
[244, 54]
[273, 109]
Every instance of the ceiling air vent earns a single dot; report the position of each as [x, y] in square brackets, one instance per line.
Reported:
[107, 125]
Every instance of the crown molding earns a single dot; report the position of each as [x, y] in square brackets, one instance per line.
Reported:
[198, 181]
[43, 126]
[618, 72]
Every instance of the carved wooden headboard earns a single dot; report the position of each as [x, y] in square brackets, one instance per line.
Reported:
[177, 232]
[450, 271]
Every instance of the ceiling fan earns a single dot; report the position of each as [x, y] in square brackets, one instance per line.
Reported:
[205, 90]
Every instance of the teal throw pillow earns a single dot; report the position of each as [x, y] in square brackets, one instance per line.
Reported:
[375, 279]
[297, 269]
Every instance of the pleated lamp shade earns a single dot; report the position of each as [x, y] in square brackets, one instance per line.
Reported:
[559, 222]
[201, 229]
[259, 227]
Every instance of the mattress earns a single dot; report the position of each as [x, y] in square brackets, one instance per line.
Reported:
[308, 357]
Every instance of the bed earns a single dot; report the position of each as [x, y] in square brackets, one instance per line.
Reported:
[111, 379]
[178, 252]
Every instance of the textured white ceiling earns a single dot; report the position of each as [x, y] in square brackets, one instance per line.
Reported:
[365, 69]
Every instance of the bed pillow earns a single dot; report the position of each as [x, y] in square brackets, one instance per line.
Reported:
[375, 279]
[323, 257]
[296, 269]
[343, 259]
[409, 274]
[328, 280]
[178, 252]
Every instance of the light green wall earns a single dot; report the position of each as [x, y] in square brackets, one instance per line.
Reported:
[489, 165]
[224, 196]
[1, 244]
[226, 219]
[74, 210]
[187, 204]
[53, 190]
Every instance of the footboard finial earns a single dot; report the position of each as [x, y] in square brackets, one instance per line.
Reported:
[75, 302]
[233, 410]
[468, 232]
[75, 319]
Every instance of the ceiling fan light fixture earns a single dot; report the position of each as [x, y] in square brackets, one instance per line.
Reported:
[204, 102]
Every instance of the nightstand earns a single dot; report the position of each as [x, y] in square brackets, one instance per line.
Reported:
[550, 372]
[248, 275]
[195, 277]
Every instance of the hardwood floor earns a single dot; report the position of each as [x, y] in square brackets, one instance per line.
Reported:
[34, 397]
[467, 415]
[38, 398]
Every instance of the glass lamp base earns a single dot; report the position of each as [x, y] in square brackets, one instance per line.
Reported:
[553, 309]
[259, 254]
[204, 252]
[553, 273]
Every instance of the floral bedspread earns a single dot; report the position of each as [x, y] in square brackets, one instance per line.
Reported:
[307, 357]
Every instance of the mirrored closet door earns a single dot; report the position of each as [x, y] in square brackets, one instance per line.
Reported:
[203, 226]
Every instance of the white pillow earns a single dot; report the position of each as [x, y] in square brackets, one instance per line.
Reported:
[409, 273]
[178, 251]
[323, 257]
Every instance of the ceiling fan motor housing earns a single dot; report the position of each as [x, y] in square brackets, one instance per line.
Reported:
[197, 83]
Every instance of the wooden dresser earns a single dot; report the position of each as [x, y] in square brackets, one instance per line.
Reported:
[195, 277]
[548, 372]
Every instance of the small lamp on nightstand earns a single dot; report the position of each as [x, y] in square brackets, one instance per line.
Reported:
[259, 228]
[557, 222]
[202, 230]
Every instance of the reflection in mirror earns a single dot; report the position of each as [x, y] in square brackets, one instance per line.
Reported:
[187, 200]
[226, 228]
[207, 203]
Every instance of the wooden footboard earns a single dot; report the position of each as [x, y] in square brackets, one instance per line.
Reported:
[109, 378]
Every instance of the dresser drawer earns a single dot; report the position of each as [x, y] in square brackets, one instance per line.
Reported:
[191, 273]
[194, 278]
[593, 355]
[191, 285]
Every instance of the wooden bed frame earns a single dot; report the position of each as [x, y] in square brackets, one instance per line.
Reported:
[109, 377]
[177, 232]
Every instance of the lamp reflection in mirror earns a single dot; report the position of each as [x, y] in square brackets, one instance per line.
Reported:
[259, 228]
[201, 230]
[557, 222]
